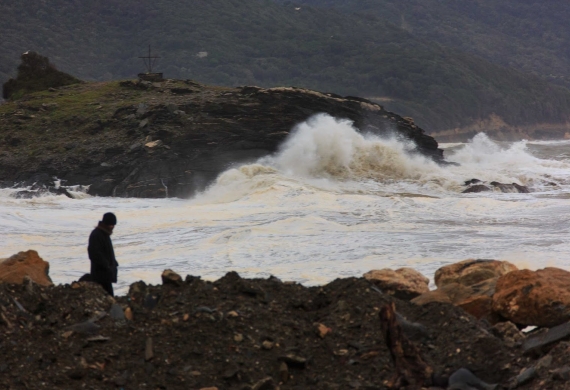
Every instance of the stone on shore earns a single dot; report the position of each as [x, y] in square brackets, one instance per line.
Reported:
[25, 264]
[471, 271]
[540, 298]
[469, 284]
[170, 277]
[403, 283]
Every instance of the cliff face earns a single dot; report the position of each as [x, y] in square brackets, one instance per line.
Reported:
[137, 139]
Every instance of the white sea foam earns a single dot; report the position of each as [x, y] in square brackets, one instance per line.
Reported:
[330, 203]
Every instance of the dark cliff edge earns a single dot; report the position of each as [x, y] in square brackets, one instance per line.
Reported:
[152, 140]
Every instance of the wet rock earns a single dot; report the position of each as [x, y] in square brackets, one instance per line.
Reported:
[25, 264]
[476, 189]
[36, 193]
[471, 271]
[540, 298]
[479, 186]
[513, 187]
[403, 283]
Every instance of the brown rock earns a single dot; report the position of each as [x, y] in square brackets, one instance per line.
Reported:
[15, 268]
[403, 283]
[171, 277]
[479, 306]
[470, 272]
[475, 299]
[540, 298]
[129, 314]
[323, 330]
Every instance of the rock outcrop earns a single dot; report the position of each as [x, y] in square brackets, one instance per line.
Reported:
[472, 271]
[35, 73]
[25, 265]
[403, 283]
[476, 186]
[469, 284]
[540, 298]
[174, 143]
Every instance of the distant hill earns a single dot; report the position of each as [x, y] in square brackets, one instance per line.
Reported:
[254, 42]
[527, 35]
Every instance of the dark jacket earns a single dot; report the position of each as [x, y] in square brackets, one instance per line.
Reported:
[102, 256]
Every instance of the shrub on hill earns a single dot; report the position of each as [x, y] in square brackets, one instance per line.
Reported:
[35, 73]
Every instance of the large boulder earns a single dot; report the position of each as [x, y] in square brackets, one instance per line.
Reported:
[540, 298]
[472, 271]
[460, 295]
[403, 283]
[469, 284]
[15, 268]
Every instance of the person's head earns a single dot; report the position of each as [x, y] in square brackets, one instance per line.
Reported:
[110, 220]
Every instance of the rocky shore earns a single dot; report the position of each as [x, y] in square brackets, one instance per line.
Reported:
[385, 330]
[166, 139]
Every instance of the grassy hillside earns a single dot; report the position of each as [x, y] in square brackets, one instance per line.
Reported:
[527, 35]
[261, 42]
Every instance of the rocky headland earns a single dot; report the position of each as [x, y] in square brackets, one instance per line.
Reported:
[171, 138]
[385, 330]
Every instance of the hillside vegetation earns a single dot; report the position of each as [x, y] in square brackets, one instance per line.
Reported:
[528, 35]
[266, 43]
[35, 74]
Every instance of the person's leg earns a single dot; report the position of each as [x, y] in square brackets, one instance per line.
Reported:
[108, 286]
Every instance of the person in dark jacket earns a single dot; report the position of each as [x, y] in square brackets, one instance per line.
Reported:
[101, 253]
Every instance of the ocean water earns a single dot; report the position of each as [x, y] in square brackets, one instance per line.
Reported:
[331, 203]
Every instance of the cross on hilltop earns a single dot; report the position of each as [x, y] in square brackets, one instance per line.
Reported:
[149, 75]
[151, 61]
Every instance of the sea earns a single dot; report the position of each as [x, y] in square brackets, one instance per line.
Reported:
[331, 203]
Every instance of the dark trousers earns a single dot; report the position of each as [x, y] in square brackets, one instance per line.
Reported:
[108, 286]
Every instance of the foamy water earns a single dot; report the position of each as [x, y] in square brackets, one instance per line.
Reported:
[332, 203]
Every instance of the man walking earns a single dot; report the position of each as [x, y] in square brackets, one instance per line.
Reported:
[101, 253]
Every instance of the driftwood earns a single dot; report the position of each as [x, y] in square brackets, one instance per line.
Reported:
[410, 369]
